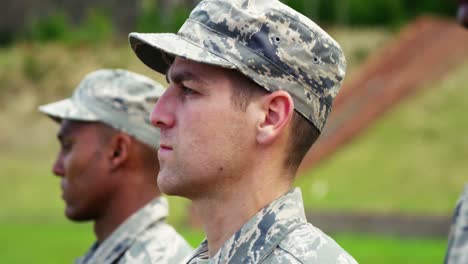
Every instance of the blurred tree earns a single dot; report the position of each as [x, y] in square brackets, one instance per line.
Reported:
[162, 15]
[342, 15]
[383, 12]
[122, 13]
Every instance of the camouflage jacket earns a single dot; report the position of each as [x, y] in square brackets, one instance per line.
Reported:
[457, 252]
[143, 238]
[279, 233]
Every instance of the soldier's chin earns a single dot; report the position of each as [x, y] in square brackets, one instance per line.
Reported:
[176, 188]
[76, 216]
[170, 189]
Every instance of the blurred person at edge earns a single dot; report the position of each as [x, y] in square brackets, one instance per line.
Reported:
[108, 168]
[463, 12]
[251, 83]
[457, 249]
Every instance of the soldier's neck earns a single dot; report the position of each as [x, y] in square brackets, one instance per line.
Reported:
[119, 209]
[225, 214]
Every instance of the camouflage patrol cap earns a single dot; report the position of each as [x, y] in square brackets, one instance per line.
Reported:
[118, 98]
[274, 45]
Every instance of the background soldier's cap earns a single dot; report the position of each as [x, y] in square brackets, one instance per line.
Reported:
[272, 44]
[118, 98]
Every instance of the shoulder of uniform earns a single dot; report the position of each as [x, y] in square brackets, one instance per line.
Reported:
[153, 247]
[309, 244]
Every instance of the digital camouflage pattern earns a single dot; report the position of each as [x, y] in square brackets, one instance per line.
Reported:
[142, 238]
[269, 42]
[122, 99]
[457, 252]
[279, 233]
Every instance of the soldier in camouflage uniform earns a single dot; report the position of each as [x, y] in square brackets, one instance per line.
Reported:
[457, 252]
[107, 165]
[251, 85]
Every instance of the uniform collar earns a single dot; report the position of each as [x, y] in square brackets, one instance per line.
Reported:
[124, 236]
[261, 234]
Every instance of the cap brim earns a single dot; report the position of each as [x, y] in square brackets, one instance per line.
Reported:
[150, 48]
[67, 109]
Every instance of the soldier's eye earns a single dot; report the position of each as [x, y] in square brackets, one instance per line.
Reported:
[186, 90]
[66, 145]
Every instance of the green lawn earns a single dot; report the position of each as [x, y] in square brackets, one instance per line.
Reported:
[391, 250]
[62, 242]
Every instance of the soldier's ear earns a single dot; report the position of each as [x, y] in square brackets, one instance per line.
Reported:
[278, 111]
[119, 150]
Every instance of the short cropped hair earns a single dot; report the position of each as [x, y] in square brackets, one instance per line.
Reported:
[147, 153]
[303, 134]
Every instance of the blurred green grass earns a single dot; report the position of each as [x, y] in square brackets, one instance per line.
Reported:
[411, 161]
[390, 250]
[62, 242]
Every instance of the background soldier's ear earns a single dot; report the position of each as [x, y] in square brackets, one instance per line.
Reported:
[119, 150]
[279, 109]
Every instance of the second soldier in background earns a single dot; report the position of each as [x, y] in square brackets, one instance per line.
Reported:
[108, 166]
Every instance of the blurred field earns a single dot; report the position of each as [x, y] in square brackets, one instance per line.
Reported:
[410, 161]
[60, 243]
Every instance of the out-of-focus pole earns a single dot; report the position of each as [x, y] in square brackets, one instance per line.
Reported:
[463, 12]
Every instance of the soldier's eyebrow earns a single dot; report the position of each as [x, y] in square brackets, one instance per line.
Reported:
[61, 135]
[167, 74]
[182, 75]
[65, 131]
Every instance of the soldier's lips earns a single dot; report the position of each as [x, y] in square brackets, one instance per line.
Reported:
[164, 148]
[62, 187]
[64, 196]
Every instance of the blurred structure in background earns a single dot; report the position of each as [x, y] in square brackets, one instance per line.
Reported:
[424, 51]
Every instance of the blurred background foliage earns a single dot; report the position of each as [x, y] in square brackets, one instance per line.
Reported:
[389, 13]
[97, 20]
